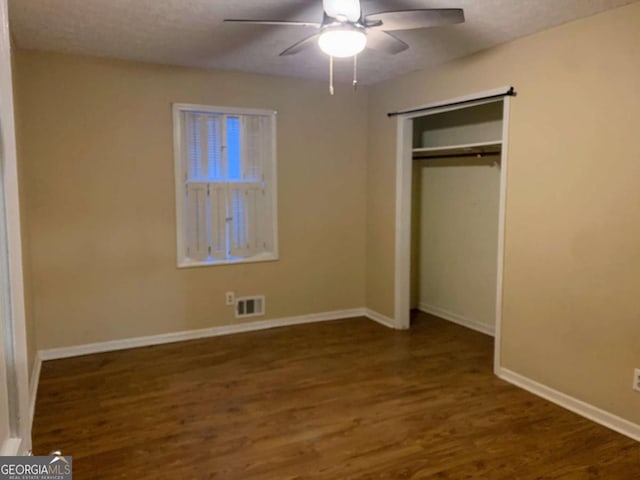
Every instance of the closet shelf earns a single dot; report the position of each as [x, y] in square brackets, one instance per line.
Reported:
[480, 148]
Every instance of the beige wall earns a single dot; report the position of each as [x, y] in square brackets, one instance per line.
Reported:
[96, 143]
[571, 311]
[458, 236]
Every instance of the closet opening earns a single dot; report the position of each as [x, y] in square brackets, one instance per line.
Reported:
[450, 204]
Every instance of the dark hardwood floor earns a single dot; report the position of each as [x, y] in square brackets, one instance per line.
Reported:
[336, 400]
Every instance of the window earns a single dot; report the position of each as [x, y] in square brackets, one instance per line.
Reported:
[225, 185]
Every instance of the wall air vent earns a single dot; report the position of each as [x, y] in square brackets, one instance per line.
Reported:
[250, 306]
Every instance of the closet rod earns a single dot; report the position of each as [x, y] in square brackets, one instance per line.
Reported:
[509, 93]
[453, 155]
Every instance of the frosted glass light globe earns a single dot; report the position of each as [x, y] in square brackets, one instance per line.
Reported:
[342, 42]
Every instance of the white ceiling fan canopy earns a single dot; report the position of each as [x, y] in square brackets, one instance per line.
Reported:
[343, 9]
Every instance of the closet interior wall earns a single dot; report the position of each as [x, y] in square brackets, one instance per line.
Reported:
[455, 207]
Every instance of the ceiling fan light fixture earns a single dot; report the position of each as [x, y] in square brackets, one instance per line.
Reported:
[343, 41]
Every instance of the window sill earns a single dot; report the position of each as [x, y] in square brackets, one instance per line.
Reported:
[262, 257]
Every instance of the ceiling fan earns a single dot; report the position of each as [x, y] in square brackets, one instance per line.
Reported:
[345, 30]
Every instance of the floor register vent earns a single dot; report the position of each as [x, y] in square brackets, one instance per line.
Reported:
[249, 306]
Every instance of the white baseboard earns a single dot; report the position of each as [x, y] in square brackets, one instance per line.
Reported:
[87, 349]
[78, 350]
[584, 409]
[11, 447]
[379, 318]
[459, 319]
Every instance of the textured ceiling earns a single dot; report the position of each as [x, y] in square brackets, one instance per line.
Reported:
[191, 32]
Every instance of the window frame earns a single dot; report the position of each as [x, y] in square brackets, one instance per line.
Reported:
[180, 190]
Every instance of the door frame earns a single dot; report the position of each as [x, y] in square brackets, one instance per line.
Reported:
[11, 277]
[404, 172]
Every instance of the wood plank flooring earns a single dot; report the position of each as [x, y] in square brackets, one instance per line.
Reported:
[337, 400]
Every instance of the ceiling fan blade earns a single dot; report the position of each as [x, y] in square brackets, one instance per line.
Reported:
[412, 19]
[385, 42]
[278, 23]
[301, 45]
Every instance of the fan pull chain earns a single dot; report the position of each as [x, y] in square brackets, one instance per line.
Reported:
[331, 91]
[355, 72]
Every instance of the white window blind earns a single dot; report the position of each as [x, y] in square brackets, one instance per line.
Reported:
[225, 185]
